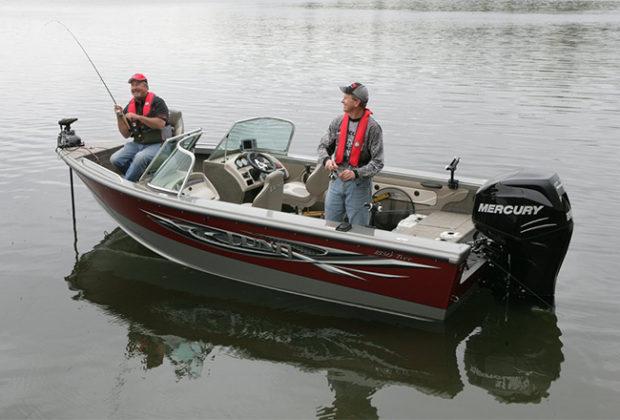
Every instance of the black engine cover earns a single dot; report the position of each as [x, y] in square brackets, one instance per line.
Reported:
[528, 215]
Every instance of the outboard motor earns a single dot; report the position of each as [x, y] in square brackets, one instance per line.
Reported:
[527, 217]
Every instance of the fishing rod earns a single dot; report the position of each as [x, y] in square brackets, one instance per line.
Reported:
[92, 64]
[87, 56]
[67, 122]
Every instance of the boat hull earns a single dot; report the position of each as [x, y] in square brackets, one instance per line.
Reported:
[288, 260]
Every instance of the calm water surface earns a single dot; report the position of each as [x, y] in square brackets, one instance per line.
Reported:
[502, 84]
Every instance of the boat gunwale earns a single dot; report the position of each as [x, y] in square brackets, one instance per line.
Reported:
[397, 172]
[453, 253]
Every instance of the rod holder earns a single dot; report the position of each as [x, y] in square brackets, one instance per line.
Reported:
[453, 184]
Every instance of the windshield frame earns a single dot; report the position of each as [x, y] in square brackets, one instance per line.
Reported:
[196, 134]
[223, 148]
[154, 165]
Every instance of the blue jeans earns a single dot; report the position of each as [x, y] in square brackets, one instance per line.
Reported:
[348, 198]
[133, 158]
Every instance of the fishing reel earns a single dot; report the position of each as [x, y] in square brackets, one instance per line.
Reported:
[67, 137]
[135, 130]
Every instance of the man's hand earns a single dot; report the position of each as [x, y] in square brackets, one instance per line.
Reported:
[330, 165]
[346, 175]
[132, 117]
[121, 121]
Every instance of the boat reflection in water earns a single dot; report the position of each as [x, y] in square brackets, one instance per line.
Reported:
[514, 354]
[517, 357]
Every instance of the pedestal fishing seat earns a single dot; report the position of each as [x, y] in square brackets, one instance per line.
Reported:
[176, 121]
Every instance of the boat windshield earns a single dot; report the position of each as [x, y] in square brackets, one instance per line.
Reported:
[266, 134]
[174, 163]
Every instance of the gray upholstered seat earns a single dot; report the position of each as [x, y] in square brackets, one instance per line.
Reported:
[270, 197]
[176, 121]
[303, 195]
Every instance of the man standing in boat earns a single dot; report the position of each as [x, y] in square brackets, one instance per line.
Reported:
[356, 141]
[145, 119]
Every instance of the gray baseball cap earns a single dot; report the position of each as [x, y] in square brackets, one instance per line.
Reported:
[356, 89]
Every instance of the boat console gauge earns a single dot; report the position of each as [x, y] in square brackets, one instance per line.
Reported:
[250, 168]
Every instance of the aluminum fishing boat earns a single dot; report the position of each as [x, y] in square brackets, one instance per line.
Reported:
[249, 211]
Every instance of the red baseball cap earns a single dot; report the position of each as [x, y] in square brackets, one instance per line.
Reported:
[139, 77]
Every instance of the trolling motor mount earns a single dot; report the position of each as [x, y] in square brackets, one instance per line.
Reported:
[67, 137]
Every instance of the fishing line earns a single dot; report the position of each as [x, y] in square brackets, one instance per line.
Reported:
[92, 64]
[87, 56]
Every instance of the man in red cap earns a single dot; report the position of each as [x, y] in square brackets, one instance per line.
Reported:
[145, 119]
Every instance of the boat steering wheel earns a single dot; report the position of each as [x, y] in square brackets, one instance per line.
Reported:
[261, 162]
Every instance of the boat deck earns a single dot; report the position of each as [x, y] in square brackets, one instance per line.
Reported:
[440, 225]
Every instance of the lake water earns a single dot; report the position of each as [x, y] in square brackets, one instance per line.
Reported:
[503, 84]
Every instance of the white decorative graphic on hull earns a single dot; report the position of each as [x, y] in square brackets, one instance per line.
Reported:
[328, 259]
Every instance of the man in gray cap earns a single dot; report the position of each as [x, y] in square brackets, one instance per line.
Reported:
[355, 141]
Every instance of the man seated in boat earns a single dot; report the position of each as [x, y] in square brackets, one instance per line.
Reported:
[145, 119]
[357, 140]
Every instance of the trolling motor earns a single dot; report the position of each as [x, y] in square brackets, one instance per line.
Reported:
[67, 137]
[453, 184]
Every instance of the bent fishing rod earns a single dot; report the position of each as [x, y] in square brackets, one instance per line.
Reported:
[92, 64]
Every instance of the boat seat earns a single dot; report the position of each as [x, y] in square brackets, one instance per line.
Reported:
[176, 121]
[225, 183]
[303, 195]
[270, 197]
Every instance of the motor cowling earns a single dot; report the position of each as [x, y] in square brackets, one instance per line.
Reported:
[527, 216]
[67, 137]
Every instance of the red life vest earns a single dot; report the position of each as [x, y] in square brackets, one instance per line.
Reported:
[358, 141]
[148, 101]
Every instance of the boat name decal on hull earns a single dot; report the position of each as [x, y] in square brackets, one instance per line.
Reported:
[330, 260]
